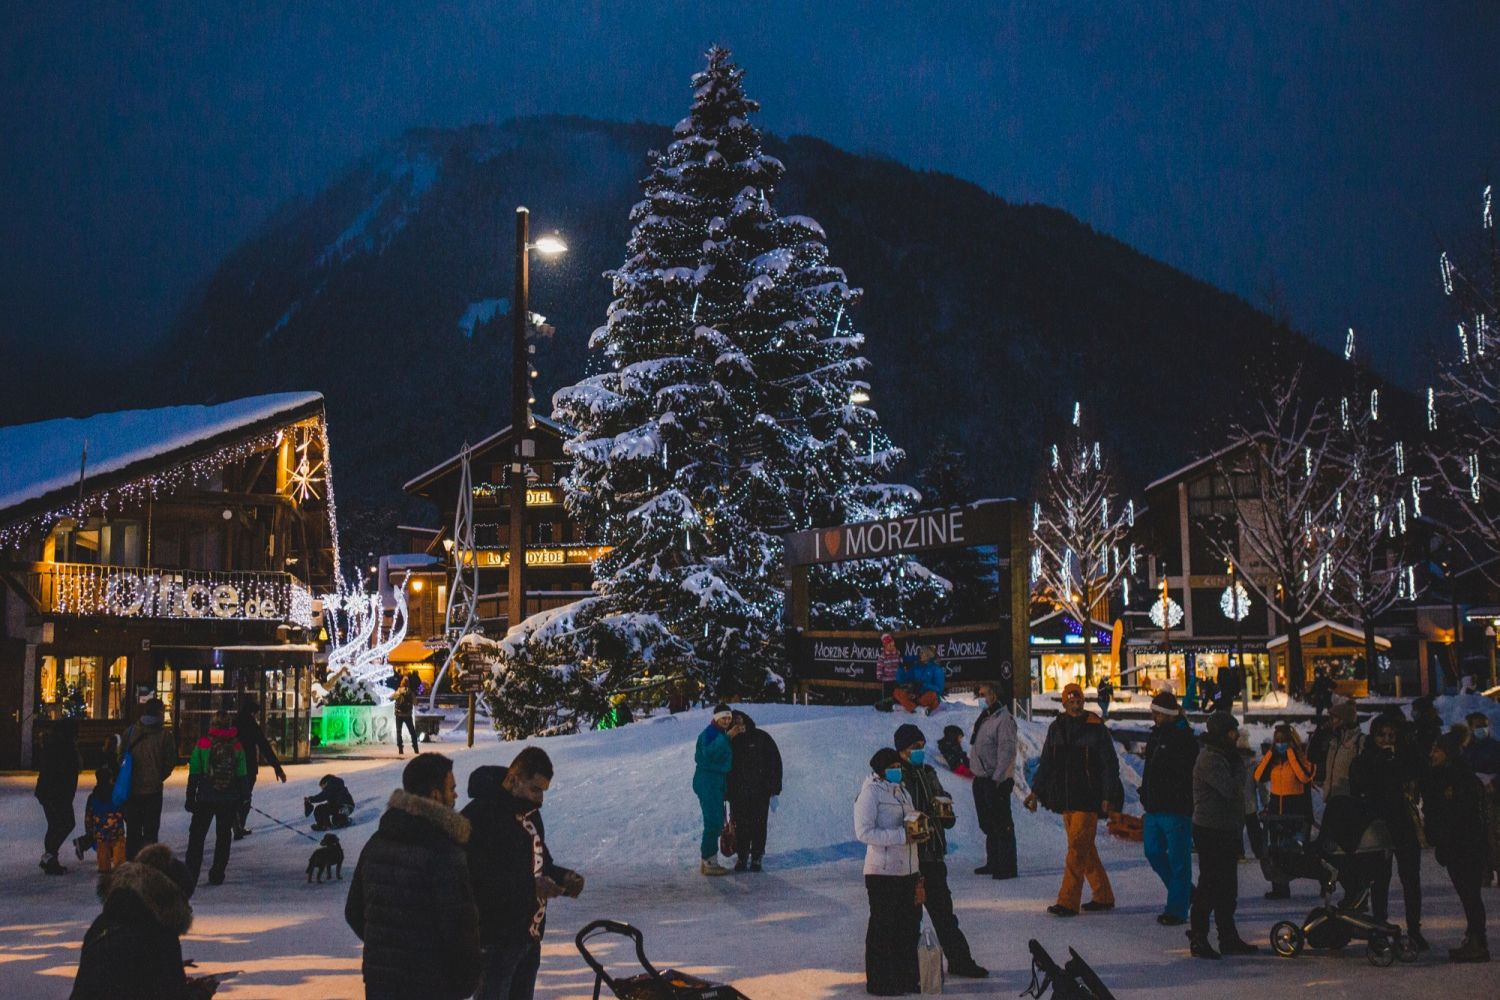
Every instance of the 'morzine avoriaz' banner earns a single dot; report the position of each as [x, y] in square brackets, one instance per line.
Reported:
[966, 653]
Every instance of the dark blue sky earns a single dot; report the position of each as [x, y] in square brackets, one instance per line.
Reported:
[1310, 154]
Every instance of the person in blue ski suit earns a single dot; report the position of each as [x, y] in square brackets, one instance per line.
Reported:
[921, 683]
[713, 756]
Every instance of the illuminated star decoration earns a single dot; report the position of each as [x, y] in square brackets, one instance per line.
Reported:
[1235, 602]
[1166, 613]
[302, 481]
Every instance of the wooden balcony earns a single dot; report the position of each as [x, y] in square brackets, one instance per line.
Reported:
[87, 590]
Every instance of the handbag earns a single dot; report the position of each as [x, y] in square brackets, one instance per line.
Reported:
[121, 791]
[728, 843]
[930, 961]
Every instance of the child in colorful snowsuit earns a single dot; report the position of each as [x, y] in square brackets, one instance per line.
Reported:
[951, 746]
[103, 824]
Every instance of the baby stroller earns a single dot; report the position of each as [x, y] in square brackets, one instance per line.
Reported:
[651, 984]
[1331, 926]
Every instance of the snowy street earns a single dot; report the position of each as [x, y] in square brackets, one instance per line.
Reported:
[620, 811]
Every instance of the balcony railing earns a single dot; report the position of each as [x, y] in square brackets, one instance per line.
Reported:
[145, 592]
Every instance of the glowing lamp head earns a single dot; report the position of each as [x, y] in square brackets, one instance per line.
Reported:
[417, 585]
[859, 397]
[549, 246]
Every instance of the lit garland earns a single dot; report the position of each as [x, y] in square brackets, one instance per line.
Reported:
[134, 592]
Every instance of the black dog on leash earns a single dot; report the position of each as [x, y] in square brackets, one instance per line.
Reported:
[327, 858]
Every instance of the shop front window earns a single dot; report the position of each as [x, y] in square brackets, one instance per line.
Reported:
[83, 687]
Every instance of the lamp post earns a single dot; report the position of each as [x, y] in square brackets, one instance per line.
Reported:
[522, 445]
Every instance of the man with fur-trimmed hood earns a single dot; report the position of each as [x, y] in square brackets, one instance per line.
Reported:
[133, 950]
[410, 901]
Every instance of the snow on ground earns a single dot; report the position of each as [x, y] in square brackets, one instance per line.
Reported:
[621, 811]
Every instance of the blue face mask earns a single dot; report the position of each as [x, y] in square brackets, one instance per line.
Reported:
[1480, 733]
[919, 755]
[893, 775]
[1282, 747]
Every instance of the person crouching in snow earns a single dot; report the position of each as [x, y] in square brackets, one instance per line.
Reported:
[332, 806]
[1218, 827]
[891, 878]
[951, 746]
[713, 757]
[1079, 776]
[928, 797]
[921, 683]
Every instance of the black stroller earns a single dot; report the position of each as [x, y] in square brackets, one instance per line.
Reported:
[1330, 926]
[651, 984]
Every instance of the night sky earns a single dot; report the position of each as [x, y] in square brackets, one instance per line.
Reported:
[1310, 156]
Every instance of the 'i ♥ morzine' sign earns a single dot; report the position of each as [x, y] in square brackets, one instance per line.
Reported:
[984, 522]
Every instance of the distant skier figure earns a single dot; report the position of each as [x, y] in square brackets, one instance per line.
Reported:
[753, 787]
[713, 757]
[921, 683]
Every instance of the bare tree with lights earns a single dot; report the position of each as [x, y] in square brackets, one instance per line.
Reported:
[1285, 481]
[1370, 514]
[1080, 533]
[1463, 413]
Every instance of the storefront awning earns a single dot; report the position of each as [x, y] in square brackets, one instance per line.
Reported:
[410, 651]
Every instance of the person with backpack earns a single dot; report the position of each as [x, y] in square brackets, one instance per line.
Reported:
[56, 785]
[103, 824]
[754, 783]
[216, 786]
[406, 702]
[148, 757]
[253, 739]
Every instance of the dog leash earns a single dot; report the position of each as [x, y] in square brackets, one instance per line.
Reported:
[273, 819]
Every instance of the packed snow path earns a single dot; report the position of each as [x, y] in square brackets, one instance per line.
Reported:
[621, 811]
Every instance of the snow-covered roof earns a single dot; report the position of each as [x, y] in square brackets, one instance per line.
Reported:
[41, 459]
[1347, 631]
[1192, 466]
[448, 465]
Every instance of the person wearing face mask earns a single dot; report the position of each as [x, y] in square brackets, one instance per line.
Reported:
[920, 781]
[1218, 826]
[891, 872]
[1482, 753]
[512, 871]
[1288, 809]
[1382, 777]
[1079, 777]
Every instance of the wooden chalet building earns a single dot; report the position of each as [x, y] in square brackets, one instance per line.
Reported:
[169, 552]
[560, 552]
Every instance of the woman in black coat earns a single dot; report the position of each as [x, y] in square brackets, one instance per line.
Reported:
[1380, 778]
[133, 950]
[56, 785]
[754, 780]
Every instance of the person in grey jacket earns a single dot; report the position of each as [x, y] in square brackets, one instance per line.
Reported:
[153, 757]
[992, 755]
[1218, 824]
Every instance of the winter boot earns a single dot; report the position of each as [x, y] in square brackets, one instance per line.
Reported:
[1233, 944]
[1472, 950]
[80, 846]
[1059, 910]
[50, 866]
[1414, 935]
[708, 866]
[968, 969]
[755, 864]
[743, 864]
[1199, 947]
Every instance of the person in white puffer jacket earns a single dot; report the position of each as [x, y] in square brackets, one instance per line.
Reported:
[891, 876]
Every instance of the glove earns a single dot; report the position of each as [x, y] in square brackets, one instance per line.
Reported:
[774, 799]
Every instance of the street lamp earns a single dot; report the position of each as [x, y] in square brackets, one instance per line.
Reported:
[522, 447]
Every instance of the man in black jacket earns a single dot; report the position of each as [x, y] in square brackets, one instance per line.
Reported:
[754, 780]
[920, 780]
[410, 901]
[513, 872]
[1079, 776]
[1380, 778]
[1167, 799]
[253, 739]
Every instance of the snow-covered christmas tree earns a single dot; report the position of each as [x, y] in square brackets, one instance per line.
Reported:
[724, 417]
